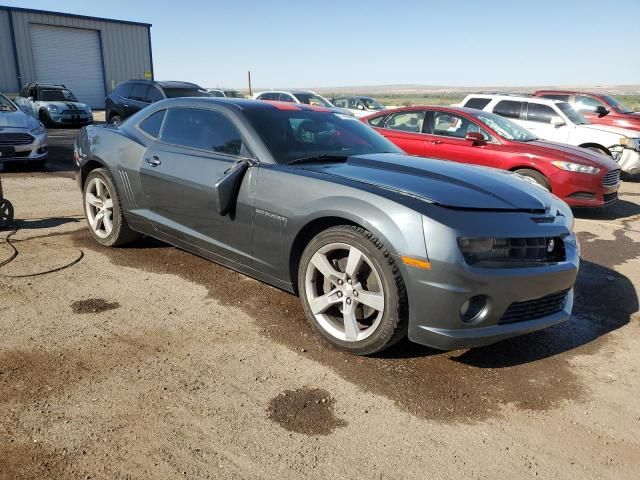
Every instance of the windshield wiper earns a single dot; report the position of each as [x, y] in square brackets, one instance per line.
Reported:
[319, 158]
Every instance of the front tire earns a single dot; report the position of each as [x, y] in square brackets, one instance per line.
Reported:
[535, 176]
[103, 211]
[115, 120]
[45, 119]
[600, 150]
[352, 291]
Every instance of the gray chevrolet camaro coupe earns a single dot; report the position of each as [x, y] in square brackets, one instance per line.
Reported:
[378, 244]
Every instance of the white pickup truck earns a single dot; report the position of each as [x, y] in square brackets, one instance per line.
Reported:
[557, 121]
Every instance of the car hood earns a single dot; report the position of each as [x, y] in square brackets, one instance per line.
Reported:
[623, 132]
[445, 183]
[68, 105]
[561, 151]
[17, 119]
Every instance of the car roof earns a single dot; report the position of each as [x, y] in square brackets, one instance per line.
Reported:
[293, 92]
[517, 98]
[166, 83]
[244, 104]
[440, 108]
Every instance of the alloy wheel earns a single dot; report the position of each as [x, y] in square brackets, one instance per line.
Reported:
[99, 207]
[344, 292]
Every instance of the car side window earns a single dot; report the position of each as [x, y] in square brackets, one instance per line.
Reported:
[23, 92]
[340, 102]
[123, 90]
[268, 96]
[285, 97]
[584, 103]
[406, 122]
[536, 112]
[449, 125]
[508, 108]
[377, 121]
[154, 95]
[355, 103]
[477, 103]
[152, 124]
[139, 92]
[202, 129]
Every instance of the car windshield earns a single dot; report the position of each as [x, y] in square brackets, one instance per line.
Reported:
[371, 104]
[616, 104]
[57, 95]
[294, 134]
[185, 92]
[572, 114]
[312, 99]
[6, 105]
[505, 127]
[233, 94]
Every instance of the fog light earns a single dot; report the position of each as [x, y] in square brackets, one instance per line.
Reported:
[475, 309]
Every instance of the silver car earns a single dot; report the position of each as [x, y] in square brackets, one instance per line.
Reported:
[379, 245]
[53, 105]
[22, 137]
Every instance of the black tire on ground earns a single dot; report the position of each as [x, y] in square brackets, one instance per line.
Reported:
[600, 150]
[121, 233]
[394, 323]
[115, 120]
[539, 178]
[6, 213]
[45, 118]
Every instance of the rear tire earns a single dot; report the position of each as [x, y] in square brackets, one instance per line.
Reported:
[103, 212]
[45, 119]
[536, 176]
[115, 120]
[352, 291]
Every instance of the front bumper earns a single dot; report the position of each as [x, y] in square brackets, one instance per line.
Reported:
[583, 190]
[71, 118]
[436, 296]
[629, 161]
[35, 151]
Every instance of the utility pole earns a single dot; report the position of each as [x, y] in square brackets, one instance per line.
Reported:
[249, 77]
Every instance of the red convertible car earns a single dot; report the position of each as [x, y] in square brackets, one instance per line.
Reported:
[580, 177]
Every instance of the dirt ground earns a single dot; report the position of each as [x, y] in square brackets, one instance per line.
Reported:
[149, 362]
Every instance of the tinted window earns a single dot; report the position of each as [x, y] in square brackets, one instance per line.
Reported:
[139, 92]
[285, 97]
[556, 96]
[406, 122]
[57, 95]
[269, 96]
[216, 93]
[377, 121]
[477, 103]
[123, 90]
[340, 102]
[292, 134]
[586, 104]
[185, 92]
[202, 129]
[152, 123]
[537, 112]
[449, 125]
[311, 99]
[154, 95]
[508, 108]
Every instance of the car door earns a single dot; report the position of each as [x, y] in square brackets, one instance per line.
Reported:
[538, 118]
[446, 133]
[405, 130]
[178, 173]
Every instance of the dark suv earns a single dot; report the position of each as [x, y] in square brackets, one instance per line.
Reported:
[133, 95]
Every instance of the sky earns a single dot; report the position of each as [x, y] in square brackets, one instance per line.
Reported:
[335, 43]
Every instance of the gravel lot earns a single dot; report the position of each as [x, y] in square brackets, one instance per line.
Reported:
[149, 362]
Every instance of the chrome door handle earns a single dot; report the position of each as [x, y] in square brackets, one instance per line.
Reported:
[154, 162]
[436, 142]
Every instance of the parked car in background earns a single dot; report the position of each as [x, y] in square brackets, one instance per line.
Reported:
[377, 244]
[598, 108]
[557, 121]
[22, 137]
[53, 105]
[306, 97]
[360, 106]
[133, 95]
[580, 177]
[224, 93]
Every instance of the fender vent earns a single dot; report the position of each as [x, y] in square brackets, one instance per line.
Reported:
[128, 191]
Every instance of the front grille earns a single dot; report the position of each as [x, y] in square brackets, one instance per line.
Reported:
[582, 196]
[73, 112]
[610, 197]
[533, 309]
[15, 139]
[611, 179]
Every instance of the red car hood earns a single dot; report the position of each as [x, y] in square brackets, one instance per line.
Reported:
[568, 153]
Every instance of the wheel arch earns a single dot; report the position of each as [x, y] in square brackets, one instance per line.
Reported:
[598, 146]
[526, 166]
[87, 167]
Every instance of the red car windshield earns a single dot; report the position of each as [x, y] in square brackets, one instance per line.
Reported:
[504, 127]
[616, 104]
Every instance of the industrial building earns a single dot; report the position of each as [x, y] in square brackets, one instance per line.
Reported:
[87, 54]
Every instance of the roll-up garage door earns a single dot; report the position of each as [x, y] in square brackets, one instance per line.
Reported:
[70, 56]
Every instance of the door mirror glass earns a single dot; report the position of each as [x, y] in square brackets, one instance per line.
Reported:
[601, 111]
[476, 138]
[557, 121]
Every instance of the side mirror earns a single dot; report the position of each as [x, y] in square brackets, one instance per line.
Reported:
[601, 111]
[360, 106]
[476, 138]
[557, 121]
[227, 188]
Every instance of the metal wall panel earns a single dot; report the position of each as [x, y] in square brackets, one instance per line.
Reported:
[126, 52]
[8, 75]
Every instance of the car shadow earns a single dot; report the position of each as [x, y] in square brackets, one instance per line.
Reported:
[619, 210]
[604, 301]
[45, 222]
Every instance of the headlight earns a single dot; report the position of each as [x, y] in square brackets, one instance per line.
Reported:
[575, 167]
[38, 130]
[631, 143]
[513, 251]
[52, 108]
